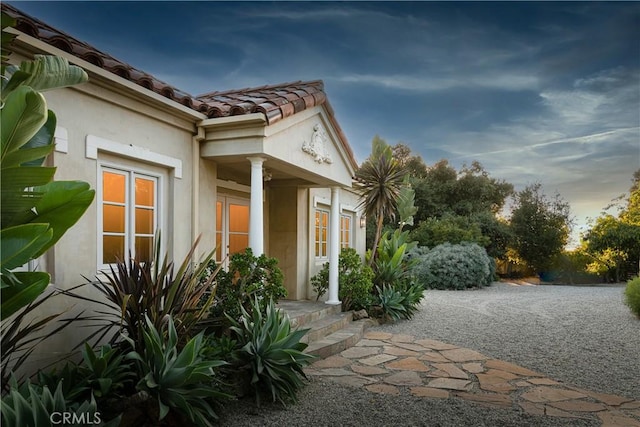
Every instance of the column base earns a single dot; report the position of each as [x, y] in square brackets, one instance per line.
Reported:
[333, 302]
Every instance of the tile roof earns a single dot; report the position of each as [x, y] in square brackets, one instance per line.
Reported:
[276, 102]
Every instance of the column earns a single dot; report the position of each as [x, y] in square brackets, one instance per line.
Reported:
[334, 245]
[256, 215]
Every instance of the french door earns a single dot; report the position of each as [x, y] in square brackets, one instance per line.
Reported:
[232, 226]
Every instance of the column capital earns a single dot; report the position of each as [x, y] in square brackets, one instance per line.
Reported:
[256, 160]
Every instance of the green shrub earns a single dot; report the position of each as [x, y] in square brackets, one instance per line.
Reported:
[400, 302]
[632, 295]
[354, 280]
[392, 265]
[247, 278]
[183, 380]
[272, 350]
[450, 266]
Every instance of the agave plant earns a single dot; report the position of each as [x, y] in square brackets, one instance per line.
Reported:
[183, 380]
[33, 406]
[391, 302]
[273, 351]
[400, 302]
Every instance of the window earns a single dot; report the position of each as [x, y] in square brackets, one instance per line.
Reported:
[129, 215]
[345, 231]
[322, 230]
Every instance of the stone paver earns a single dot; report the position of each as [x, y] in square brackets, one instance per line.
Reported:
[408, 364]
[378, 359]
[450, 384]
[450, 370]
[433, 357]
[406, 378]
[473, 368]
[548, 394]
[436, 393]
[368, 370]
[435, 345]
[359, 352]
[383, 389]
[463, 355]
[332, 362]
[370, 343]
[395, 351]
[401, 365]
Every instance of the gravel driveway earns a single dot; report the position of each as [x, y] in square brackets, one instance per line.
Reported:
[583, 336]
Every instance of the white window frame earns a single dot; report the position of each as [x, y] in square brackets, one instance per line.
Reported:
[327, 211]
[130, 173]
[351, 217]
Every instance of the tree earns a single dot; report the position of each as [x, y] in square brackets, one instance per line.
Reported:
[380, 180]
[540, 227]
[614, 242]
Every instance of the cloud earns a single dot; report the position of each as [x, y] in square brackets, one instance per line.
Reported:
[500, 81]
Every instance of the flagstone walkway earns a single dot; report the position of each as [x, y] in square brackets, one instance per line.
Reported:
[399, 364]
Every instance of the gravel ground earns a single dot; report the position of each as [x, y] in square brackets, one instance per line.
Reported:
[583, 336]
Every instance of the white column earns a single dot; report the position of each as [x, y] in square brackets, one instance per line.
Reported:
[334, 245]
[256, 215]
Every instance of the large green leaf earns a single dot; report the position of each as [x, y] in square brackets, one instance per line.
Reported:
[34, 152]
[52, 72]
[24, 113]
[22, 243]
[32, 284]
[18, 193]
[61, 206]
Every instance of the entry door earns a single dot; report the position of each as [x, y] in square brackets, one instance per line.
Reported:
[232, 226]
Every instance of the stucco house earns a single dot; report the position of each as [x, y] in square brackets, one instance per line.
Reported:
[267, 167]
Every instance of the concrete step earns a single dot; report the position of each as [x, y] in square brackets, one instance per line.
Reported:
[302, 313]
[330, 330]
[338, 341]
[326, 326]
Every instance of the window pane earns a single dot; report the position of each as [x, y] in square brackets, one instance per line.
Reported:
[145, 192]
[324, 249]
[113, 187]
[144, 221]
[144, 248]
[112, 249]
[113, 218]
[238, 243]
[317, 248]
[219, 249]
[325, 219]
[239, 218]
[219, 216]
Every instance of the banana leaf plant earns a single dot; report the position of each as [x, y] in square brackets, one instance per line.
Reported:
[35, 211]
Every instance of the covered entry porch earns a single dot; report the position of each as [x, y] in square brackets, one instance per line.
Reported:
[270, 181]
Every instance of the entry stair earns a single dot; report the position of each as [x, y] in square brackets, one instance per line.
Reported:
[330, 330]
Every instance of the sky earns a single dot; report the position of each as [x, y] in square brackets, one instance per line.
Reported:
[540, 92]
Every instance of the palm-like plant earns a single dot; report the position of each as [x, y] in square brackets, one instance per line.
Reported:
[380, 180]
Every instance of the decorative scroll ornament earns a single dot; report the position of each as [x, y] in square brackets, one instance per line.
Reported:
[317, 147]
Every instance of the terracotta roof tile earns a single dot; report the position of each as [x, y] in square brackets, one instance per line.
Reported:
[276, 102]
